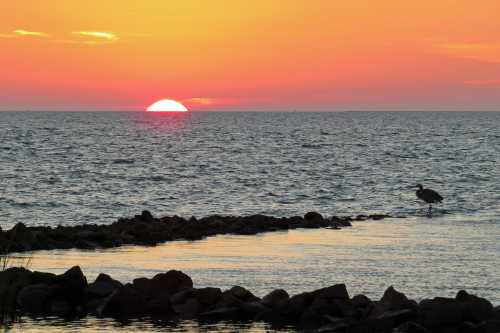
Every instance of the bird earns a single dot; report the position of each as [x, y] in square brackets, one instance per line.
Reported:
[429, 196]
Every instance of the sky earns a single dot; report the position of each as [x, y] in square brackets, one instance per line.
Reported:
[262, 55]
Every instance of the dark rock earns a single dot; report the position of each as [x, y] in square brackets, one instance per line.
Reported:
[227, 313]
[125, 302]
[412, 327]
[476, 309]
[188, 309]
[338, 291]
[292, 308]
[393, 300]
[103, 286]
[163, 284]
[489, 326]
[275, 298]
[252, 309]
[145, 229]
[313, 217]
[36, 298]
[169, 283]
[440, 311]
[12, 280]
[208, 297]
[391, 319]
[60, 308]
[72, 285]
[147, 216]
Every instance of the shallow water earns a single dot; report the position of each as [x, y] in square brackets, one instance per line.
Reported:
[421, 257]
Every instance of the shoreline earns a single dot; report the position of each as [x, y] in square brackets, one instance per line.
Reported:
[172, 295]
[147, 230]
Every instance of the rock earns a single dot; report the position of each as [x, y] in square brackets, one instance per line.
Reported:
[72, 284]
[412, 327]
[393, 300]
[190, 302]
[147, 216]
[208, 297]
[60, 308]
[476, 309]
[292, 308]
[440, 312]
[275, 298]
[103, 286]
[169, 283]
[188, 309]
[254, 308]
[361, 301]
[125, 302]
[160, 306]
[391, 319]
[12, 280]
[489, 326]
[313, 217]
[225, 313]
[36, 298]
[338, 291]
[242, 294]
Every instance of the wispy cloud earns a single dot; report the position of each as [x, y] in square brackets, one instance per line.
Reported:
[484, 83]
[201, 101]
[483, 52]
[97, 34]
[21, 32]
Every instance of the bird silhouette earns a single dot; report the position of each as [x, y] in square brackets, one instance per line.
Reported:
[429, 196]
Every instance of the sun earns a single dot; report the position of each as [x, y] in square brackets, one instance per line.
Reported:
[167, 105]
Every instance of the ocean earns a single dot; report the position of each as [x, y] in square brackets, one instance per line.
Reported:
[75, 168]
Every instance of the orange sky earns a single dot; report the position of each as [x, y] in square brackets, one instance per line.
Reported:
[250, 55]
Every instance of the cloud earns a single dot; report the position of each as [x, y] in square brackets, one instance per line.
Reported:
[97, 34]
[485, 83]
[30, 33]
[483, 52]
[201, 101]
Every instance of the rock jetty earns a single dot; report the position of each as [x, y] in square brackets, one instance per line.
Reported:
[145, 229]
[171, 295]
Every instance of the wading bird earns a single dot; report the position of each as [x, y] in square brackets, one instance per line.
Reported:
[429, 196]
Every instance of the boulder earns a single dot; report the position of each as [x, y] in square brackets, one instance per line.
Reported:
[208, 297]
[440, 311]
[313, 217]
[188, 309]
[293, 308]
[72, 285]
[103, 286]
[147, 216]
[412, 327]
[169, 283]
[124, 303]
[476, 309]
[275, 298]
[36, 298]
[223, 313]
[393, 300]
[338, 291]
[242, 294]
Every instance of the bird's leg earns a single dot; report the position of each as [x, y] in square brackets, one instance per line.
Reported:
[430, 209]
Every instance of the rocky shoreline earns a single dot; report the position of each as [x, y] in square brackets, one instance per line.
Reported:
[145, 229]
[171, 295]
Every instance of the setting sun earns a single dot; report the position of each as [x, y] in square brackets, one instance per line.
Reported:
[167, 105]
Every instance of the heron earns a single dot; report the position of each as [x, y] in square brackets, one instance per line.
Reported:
[429, 196]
